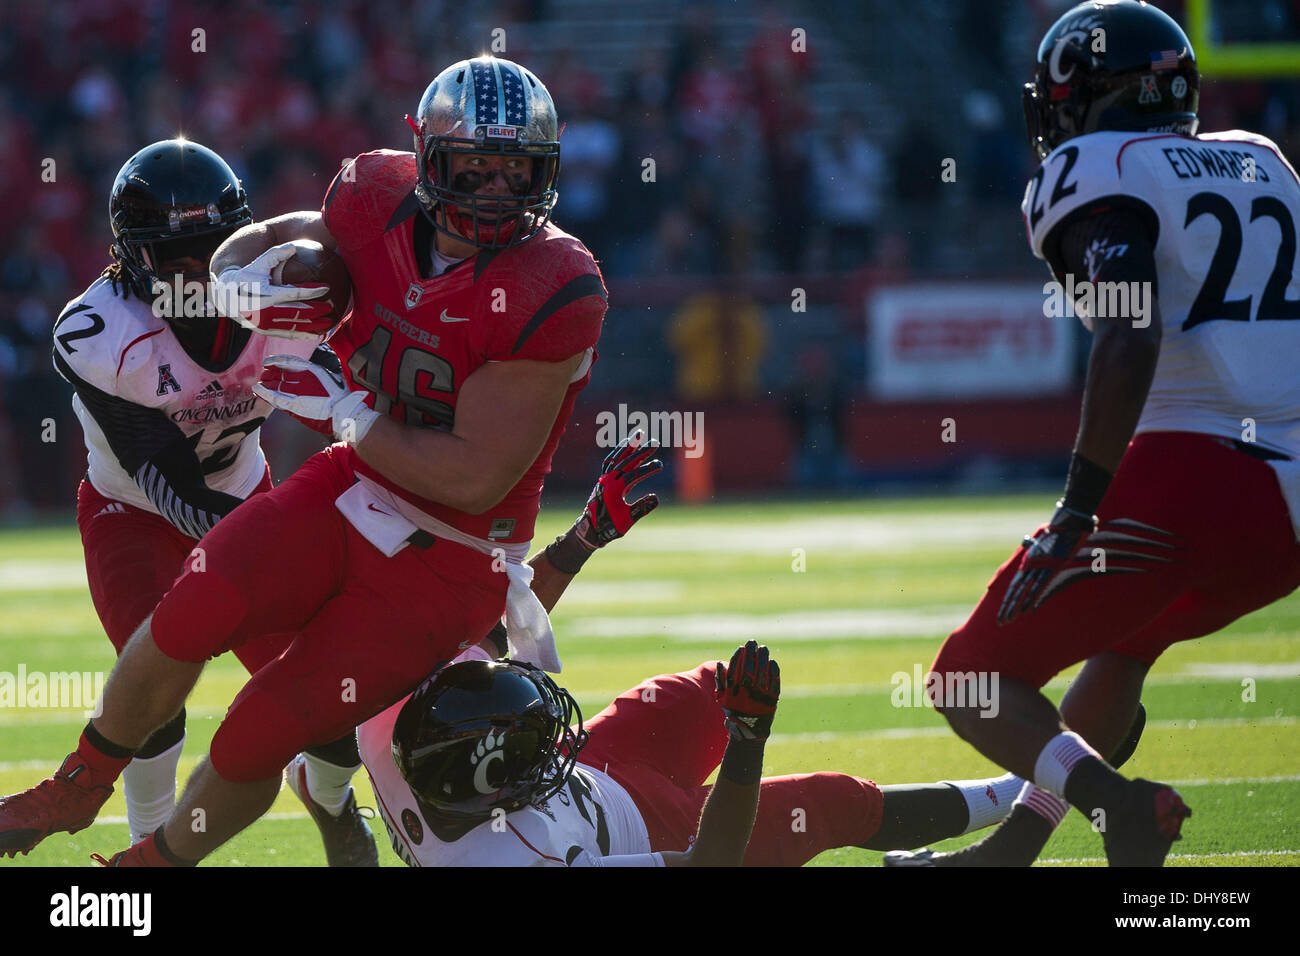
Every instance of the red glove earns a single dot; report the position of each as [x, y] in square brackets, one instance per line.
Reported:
[748, 689]
[608, 514]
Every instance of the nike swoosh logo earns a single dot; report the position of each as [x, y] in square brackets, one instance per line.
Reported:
[372, 507]
[451, 318]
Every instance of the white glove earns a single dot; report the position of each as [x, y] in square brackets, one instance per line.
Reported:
[316, 396]
[249, 296]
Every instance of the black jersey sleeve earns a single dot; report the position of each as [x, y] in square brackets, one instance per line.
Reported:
[1113, 244]
[153, 450]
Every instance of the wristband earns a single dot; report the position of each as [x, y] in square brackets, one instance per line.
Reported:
[352, 418]
[1085, 486]
[567, 553]
[742, 762]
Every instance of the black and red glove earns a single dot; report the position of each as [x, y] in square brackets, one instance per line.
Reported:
[1053, 552]
[608, 514]
[748, 689]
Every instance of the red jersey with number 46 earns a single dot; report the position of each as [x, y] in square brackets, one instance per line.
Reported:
[413, 341]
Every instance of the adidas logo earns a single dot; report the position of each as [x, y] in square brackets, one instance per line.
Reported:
[212, 388]
[116, 508]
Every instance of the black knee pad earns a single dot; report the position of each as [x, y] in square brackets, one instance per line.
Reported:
[1130, 741]
[342, 752]
[164, 738]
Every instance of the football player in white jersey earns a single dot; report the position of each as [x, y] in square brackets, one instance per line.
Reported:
[1180, 506]
[164, 395]
[479, 767]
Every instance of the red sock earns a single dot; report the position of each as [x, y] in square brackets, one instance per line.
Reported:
[100, 769]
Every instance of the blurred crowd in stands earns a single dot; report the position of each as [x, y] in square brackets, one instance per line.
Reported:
[750, 177]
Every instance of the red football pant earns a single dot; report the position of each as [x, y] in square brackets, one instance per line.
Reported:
[1196, 534]
[132, 558]
[663, 738]
[366, 629]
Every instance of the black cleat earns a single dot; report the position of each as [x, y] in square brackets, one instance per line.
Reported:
[1145, 825]
[347, 837]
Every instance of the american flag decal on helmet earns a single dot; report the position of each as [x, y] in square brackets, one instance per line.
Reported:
[486, 97]
[512, 95]
[1164, 59]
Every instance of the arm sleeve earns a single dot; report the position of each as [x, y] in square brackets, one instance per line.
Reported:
[1112, 243]
[154, 451]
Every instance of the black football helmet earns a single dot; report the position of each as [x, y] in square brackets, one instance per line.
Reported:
[488, 107]
[173, 200]
[483, 735]
[1111, 65]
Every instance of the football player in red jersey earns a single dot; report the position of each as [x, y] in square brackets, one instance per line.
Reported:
[473, 326]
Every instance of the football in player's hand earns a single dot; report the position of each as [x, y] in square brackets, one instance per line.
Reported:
[312, 264]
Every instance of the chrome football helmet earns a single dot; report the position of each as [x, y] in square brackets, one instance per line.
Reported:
[483, 735]
[487, 107]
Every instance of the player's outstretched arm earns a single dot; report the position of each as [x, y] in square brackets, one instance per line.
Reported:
[607, 516]
[1114, 246]
[748, 690]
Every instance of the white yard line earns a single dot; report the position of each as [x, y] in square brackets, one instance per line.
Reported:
[1177, 856]
[909, 733]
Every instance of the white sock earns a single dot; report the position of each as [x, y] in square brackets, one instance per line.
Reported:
[149, 785]
[328, 783]
[1047, 805]
[988, 800]
[1058, 758]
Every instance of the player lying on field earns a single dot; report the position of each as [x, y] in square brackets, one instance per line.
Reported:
[488, 771]
[164, 395]
[473, 327]
[1182, 505]
[480, 768]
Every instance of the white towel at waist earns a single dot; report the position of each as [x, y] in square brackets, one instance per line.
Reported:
[391, 522]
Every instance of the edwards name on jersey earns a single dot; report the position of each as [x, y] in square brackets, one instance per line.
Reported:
[1221, 210]
[413, 339]
[139, 394]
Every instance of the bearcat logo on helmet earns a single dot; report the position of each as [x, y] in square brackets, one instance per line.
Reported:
[507, 719]
[1108, 66]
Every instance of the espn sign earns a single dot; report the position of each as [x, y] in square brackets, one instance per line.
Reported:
[957, 341]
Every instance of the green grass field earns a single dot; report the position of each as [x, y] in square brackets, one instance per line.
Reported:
[846, 594]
